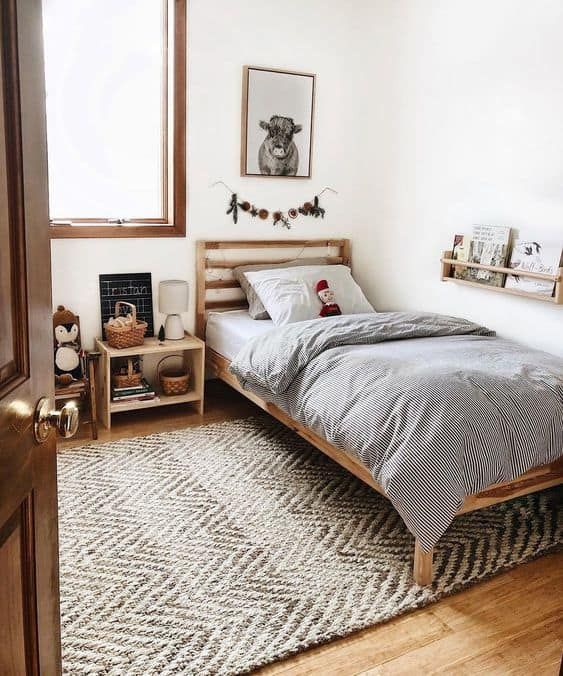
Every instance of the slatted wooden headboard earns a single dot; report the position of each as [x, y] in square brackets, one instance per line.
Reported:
[215, 261]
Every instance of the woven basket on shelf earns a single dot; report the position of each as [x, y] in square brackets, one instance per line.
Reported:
[129, 379]
[173, 381]
[121, 337]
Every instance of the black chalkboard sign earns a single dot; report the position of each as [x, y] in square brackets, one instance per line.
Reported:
[134, 287]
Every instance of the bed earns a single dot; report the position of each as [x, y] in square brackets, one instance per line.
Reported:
[222, 318]
[227, 332]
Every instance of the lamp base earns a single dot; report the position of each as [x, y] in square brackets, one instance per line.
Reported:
[173, 328]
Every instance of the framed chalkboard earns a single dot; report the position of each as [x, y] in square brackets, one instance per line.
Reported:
[134, 287]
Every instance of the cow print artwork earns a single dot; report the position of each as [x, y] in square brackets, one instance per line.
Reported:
[278, 154]
[277, 123]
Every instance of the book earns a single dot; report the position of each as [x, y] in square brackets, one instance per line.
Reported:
[143, 385]
[66, 394]
[138, 395]
[141, 399]
[460, 252]
[74, 386]
[489, 246]
[124, 393]
[130, 388]
[533, 256]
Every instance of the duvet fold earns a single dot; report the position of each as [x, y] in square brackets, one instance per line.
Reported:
[286, 351]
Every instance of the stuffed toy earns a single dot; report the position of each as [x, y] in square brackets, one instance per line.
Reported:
[329, 308]
[68, 365]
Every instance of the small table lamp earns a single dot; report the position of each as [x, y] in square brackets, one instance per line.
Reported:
[172, 301]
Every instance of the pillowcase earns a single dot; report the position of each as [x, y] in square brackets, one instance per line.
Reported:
[290, 294]
[255, 307]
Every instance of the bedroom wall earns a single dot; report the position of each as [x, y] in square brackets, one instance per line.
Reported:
[470, 132]
[431, 115]
[222, 37]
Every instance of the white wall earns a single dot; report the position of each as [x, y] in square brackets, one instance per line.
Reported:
[431, 115]
[223, 36]
[471, 131]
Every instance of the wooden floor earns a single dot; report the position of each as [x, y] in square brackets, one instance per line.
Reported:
[511, 624]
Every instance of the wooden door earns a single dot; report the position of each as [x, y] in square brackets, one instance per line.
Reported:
[29, 586]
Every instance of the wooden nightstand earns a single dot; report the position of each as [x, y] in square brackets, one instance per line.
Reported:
[190, 348]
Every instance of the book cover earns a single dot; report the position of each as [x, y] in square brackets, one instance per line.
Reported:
[533, 256]
[123, 393]
[143, 385]
[460, 252]
[489, 246]
[140, 399]
[131, 397]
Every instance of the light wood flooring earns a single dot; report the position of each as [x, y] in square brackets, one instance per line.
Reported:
[511, 624]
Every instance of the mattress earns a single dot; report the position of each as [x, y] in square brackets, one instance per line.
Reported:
[227, 332]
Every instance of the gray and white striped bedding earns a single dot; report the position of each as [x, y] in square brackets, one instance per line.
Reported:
[436, 407]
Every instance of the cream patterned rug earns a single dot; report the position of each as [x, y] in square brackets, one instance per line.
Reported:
[217, 549]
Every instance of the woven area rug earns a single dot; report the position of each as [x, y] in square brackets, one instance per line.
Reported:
[217, 549]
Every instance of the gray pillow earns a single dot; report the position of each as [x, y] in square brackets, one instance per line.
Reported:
[255, 308]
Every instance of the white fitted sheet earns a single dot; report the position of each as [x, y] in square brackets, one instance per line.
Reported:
[227, 332]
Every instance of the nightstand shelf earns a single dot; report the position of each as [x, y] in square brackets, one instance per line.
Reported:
[190, 349]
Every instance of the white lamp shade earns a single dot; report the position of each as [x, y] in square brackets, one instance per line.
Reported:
[173, 297]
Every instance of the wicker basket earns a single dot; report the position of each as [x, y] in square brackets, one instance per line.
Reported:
[173, 381]
[121, 337]
[129, 379]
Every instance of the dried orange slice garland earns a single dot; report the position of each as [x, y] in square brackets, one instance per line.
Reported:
[281, 218]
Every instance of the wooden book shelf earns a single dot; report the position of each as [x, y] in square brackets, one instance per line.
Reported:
[449, 264]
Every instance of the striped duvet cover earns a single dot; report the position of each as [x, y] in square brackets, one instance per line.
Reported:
[436, 407]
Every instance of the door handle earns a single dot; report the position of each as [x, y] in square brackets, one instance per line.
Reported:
[64, 421]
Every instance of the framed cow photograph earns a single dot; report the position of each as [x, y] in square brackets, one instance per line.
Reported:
[277, 122]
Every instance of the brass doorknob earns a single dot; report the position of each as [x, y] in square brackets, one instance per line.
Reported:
[64, 421]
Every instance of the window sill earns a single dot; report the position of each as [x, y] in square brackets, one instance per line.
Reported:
[115, 231]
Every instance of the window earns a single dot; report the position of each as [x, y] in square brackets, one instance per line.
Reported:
[116, 91]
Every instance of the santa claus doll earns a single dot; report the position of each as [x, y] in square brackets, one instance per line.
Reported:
[329, 308]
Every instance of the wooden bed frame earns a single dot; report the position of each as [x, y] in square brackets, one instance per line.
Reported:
[216, 255]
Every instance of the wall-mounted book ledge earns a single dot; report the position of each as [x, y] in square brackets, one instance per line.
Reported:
[449, 264]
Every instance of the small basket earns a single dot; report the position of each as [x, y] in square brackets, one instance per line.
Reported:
[173, 381]
[121, 337]
[129, 379]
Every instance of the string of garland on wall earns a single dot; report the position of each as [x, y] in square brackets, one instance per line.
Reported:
[279, 217]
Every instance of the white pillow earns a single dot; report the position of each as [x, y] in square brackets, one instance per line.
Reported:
[289, 294]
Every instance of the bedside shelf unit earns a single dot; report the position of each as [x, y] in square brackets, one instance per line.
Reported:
[449, 264]
[190, 349]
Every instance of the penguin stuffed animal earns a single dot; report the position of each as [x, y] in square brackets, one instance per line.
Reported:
[68, 364]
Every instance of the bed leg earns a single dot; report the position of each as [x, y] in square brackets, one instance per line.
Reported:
[422, 565]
